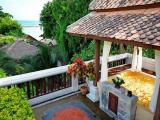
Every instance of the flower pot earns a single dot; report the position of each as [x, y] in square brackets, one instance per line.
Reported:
[84, 90]
[90, 83]
[117, 86]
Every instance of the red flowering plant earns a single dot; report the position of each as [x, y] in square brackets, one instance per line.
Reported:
[91, 71]
[77, 68]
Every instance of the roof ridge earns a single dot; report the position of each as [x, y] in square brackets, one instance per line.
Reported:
[112, 5]
[12, 45]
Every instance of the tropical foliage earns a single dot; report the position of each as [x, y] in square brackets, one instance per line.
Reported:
[118, 81]
[14, 105]
[78, 68]
[7, 40]
[81, 69]
[60, 14]
[88, 52]
[90, 72]
[9, 65]
[149, 53]
[2, 73]
[3, 14]
[46, 58]
[8, 26]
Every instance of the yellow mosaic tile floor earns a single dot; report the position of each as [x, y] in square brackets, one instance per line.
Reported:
[140, 84]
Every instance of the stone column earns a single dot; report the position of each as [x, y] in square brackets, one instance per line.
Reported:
[104, 67]
[134, 58]
[157, 82]
[139, 59]
[105, 58]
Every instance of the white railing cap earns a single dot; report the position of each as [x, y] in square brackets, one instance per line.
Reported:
[46, 73]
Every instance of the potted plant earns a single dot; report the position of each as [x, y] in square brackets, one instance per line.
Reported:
[118, 81]
[78, 69]
[84, 90]
[90, 73]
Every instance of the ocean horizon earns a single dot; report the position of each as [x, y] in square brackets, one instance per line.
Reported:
[29, 23]
[32, 28]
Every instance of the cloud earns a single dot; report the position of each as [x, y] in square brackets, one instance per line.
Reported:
[23, 9]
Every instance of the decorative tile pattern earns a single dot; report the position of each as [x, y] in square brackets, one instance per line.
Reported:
[107, 4]
[140, 25]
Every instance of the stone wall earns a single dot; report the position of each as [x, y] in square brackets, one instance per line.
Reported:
[126, 105]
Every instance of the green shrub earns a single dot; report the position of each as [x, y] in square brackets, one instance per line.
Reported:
[2, 73]
[14, 105]
[86, 53]
[7, 39]
[11, 27]
[150, 53]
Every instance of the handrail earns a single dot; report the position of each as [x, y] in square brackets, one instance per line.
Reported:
[32, 76]
[46, 73]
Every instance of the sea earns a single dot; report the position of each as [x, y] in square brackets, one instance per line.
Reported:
[31, 28]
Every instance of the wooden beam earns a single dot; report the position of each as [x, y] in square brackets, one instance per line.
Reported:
[97, 62]
[157, 113]
[119, 41]
[157, 82]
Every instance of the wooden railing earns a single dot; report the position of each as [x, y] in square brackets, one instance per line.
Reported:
[48, 84]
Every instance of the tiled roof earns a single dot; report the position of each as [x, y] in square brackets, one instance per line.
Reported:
[142, 26]
[20, 49]
[107, 4]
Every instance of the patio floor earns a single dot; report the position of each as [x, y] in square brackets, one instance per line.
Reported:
[94, 107]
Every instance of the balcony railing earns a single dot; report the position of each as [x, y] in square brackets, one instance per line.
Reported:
[48, 84]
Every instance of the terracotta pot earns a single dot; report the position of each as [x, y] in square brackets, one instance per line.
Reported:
[84, 90]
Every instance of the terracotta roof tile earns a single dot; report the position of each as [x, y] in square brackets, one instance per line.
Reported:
[136, 25]
[107, 4]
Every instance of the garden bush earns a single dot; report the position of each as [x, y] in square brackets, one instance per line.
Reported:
[14, 105]
[2, 73]
[7, 39]
[11, 27]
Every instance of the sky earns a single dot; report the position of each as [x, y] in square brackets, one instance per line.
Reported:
[23, 9]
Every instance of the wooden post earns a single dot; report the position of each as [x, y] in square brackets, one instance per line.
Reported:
[97, 61]
[157, 113]
[157, 82]
[105, 58]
